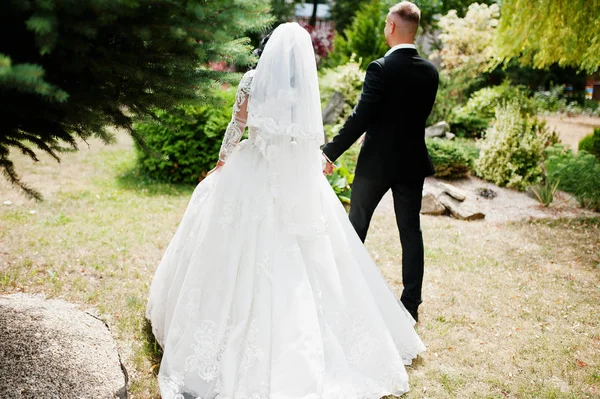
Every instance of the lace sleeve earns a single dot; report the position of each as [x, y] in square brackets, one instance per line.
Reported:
[236, 126]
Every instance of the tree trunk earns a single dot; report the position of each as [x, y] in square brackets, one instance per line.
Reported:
[313, 18]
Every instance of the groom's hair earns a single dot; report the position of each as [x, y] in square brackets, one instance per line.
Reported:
[408, 12]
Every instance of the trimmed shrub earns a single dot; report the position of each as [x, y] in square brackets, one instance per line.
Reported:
[576, 174]
[591, 143]
[513, 149]
[183, 145]
[452, 159]
[473, 119]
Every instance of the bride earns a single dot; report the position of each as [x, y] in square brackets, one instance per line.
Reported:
[266, 291]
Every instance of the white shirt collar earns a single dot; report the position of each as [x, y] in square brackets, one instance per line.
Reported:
[399, 46]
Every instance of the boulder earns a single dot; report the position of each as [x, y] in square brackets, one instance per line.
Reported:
[461, 210]
[452, 191]
[449, 136]
[51, 349]
[431, 206]
[438, 130]
[333, 109]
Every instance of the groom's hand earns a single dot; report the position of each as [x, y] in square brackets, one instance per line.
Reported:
[328, 166]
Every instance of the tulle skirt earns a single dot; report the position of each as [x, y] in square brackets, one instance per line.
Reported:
[245, 307]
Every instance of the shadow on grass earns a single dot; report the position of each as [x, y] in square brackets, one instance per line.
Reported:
[135, 180]
[152, 349]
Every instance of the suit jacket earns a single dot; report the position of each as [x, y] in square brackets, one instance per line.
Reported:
[397, 97]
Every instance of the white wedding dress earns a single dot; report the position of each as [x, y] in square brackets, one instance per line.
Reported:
[265, 290]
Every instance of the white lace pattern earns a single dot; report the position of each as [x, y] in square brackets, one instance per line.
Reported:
[235, 128]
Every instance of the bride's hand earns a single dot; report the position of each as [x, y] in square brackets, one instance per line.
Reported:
[213, 170]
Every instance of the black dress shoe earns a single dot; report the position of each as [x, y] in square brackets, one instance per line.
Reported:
[414, 314]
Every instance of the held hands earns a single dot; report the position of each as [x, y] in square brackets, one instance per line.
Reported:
[328, 166]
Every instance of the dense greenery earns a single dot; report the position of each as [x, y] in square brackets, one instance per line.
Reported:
[343, 11]
[341, 181]
[364, 37]
[555, 100]
[68, 69]
[346, 79]
[474, 117]
[465, 54]
[591, 143]
[452, 159]
[578, 174]
[184, 143]
[544, 32]
[513, 149]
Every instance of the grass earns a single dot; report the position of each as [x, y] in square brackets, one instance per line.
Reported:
[510, 311]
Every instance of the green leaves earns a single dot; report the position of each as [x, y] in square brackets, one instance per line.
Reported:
[184, 143]
[544, 32]
[576, 174]
[83, 65]
[364, 38]
[451, 159]
[513, 149]
[341, 180]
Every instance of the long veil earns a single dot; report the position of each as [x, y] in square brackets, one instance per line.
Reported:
[285, 97]
[284, 120]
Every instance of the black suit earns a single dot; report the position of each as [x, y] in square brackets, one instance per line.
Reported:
[397, 97]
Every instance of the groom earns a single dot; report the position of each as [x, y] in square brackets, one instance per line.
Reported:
[397, 97]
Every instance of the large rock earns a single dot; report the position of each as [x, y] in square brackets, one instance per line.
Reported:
[431, 206]
[461, 210]
[438, 130]
[51, 349]
[333, 109]
[452, 191]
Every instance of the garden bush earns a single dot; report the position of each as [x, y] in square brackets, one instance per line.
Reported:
[184, 144]
[513, 149]
[474, 117]
[347, 79]
[578, 174]
[591, 143]
[452, 159]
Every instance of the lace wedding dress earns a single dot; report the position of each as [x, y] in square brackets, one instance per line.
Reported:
[265, 290]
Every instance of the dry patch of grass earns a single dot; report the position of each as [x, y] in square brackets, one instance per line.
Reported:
[511, 310]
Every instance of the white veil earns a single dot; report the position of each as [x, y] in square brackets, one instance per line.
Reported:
[285, 123]
[285, 97]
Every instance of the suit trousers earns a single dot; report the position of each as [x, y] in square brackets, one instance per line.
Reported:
[366, 195]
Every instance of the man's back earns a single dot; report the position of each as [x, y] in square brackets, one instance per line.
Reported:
[394, 147]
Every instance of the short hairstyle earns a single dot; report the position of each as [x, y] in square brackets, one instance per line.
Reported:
[407, 11]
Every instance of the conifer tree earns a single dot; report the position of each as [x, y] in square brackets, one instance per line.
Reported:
[70, 68]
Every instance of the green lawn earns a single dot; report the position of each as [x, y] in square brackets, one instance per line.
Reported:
[511, 310]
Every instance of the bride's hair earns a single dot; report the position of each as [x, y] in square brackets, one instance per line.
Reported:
[259, 50]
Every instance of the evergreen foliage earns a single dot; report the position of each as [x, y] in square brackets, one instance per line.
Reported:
[343, 12]
[364, 38]
[68, 69]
